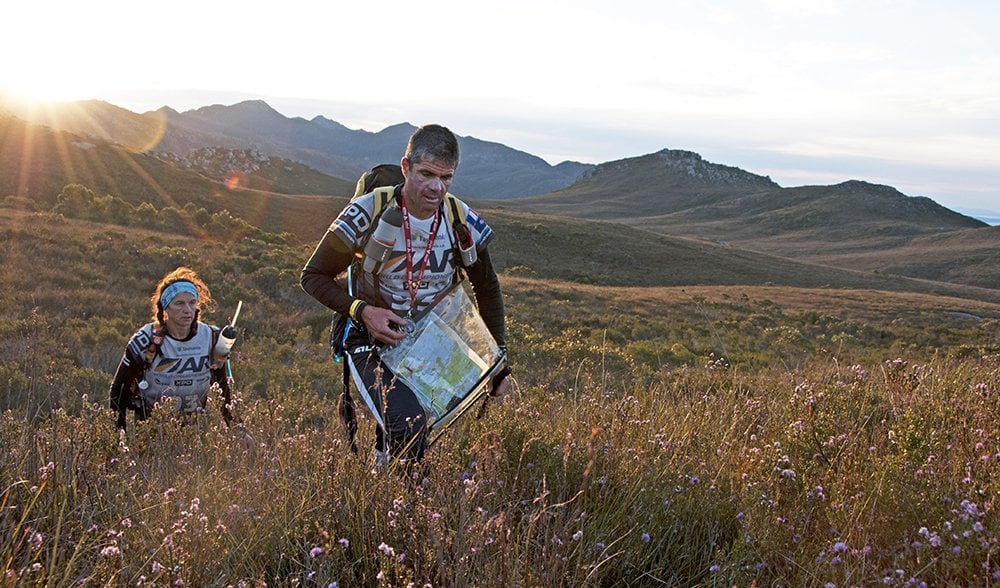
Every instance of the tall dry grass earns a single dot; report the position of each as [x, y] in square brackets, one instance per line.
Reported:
[684, 437]
[847, 475]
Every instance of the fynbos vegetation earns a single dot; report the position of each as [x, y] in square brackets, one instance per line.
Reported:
[704, 436]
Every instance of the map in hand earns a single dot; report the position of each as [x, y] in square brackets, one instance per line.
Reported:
[446, 357]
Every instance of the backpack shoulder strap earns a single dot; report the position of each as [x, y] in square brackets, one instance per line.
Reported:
[453, 207]
[382, 197]
[215, 363]
[459, 222]
[153, 348]
[148, 355]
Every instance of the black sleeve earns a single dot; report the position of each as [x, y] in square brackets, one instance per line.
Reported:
[220, 376]
[489, 298]
[319, 276]
[129, 370]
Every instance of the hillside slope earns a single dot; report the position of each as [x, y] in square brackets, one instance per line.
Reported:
[853, 225]
[37, 162]
[612, 254]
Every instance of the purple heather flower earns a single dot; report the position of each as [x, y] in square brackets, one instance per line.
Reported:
[315, 552]
[645, 537]
[111, 551]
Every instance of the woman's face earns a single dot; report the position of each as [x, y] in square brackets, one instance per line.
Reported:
[179, 314]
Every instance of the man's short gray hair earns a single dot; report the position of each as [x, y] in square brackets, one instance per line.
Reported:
[433, 143]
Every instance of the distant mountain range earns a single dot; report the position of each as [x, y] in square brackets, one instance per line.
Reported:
[166, 157]
[489, 170]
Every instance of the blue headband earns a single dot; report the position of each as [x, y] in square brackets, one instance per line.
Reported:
[171, 291]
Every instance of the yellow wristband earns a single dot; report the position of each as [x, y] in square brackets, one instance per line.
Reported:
[355, 310]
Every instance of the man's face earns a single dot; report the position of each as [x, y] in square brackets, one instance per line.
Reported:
[426, 184]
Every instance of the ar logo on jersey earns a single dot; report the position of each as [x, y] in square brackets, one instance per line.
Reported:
[187, 365]
[438, 263]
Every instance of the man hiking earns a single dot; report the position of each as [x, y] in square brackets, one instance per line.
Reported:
[420, 257]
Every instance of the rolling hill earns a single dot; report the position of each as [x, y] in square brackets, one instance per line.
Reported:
[853, 225]
[37, 162]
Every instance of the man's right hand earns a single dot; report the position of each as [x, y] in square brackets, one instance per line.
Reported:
[385, 325]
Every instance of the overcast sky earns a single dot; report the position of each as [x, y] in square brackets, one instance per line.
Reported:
[904, 93]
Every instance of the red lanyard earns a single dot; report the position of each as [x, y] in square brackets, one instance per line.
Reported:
[412, 284]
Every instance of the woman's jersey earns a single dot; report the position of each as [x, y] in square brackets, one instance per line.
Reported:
[181, 369]
[354, 223]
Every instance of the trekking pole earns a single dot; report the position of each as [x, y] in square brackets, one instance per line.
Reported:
[227, 336]
[237, 315]
[482, 407]
[497, 378]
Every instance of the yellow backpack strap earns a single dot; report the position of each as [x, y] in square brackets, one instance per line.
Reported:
[359, 188]
[382, 197]
[453, 207]
[459, 223]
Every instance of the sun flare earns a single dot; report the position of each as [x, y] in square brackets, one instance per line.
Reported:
[42, 91]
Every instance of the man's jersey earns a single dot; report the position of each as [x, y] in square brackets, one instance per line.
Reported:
[355, 222]
[181, 369]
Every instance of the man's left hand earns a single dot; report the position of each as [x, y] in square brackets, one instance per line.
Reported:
[500, 382]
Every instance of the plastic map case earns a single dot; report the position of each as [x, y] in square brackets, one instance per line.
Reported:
[447, 359]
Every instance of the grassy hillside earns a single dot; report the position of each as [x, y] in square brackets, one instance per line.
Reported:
[36, 163]
[691, 435]
[617, 255]
[854, 225]
[71, 291]
[249, 168]
[682, 412]
[970, 257]
[95, 119]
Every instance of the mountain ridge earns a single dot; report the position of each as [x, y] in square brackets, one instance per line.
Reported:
[672, 191]
[852, 225]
